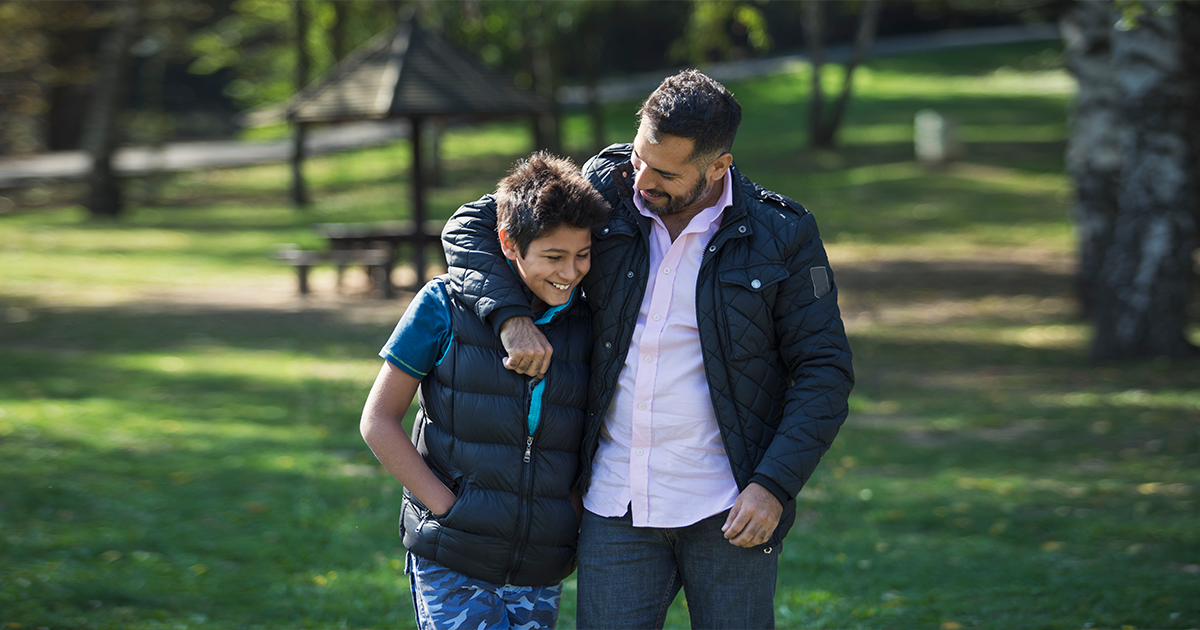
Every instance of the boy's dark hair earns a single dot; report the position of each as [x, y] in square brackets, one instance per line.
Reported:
[542, 193]
[693, 106]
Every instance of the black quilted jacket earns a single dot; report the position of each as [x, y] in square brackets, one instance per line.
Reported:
[775, 351]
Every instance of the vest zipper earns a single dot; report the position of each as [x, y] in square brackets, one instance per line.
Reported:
[525, 508]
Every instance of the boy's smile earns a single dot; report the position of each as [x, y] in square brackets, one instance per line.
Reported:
[553, 264]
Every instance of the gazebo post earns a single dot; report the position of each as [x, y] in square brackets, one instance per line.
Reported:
[299, 191]
[418, 198]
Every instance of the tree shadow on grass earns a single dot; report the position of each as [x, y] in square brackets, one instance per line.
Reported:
[233, 530]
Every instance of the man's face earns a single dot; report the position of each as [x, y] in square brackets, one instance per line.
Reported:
[666, 177]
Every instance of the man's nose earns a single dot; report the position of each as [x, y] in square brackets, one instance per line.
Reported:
[642, 179]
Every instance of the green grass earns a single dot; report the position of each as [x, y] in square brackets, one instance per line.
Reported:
[178, 434]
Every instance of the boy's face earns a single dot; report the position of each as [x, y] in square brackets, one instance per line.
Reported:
[553, 265]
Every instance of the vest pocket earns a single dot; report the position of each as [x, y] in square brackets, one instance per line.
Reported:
[418, 530]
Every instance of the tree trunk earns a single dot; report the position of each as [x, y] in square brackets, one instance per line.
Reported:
[1142, 309]
[868, 26]
[1093, 156]
[814, 35]
[545, 82]
[299, 189]
[103, 128]
[337, 32]
[595, 108]
[823, 129]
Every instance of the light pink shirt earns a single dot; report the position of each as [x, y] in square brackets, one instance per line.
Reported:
[660, 449]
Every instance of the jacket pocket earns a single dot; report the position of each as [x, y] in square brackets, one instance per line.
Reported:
[759, 279]
[747, 298]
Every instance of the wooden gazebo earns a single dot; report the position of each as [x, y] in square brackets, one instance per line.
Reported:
[409, 73]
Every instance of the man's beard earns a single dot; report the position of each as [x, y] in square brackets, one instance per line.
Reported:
[677, 204]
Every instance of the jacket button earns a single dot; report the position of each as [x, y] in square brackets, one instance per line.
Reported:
[629, 275]
[741, 229]
[607, 344]
[754, 284]
[606, 230]
[712, 248]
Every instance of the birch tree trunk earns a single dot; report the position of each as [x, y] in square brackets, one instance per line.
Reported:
[1145, 278]
[1093, 156]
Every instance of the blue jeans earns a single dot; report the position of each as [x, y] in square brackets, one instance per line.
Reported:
[628, 576]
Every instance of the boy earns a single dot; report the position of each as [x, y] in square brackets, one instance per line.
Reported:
[490, 516]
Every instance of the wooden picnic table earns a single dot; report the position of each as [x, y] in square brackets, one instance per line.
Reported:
[377, 246]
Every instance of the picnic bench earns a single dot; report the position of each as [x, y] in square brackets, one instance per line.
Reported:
[375, 246]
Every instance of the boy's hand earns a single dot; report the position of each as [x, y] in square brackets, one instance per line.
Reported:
[528, 349]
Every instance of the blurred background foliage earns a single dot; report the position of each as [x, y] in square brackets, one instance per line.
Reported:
[199, 62]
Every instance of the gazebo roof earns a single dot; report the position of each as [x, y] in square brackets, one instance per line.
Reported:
[401, 73]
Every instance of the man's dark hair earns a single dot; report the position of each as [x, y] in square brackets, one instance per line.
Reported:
[693, 106]
[542, 193]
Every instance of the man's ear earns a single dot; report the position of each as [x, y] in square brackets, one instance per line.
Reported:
[507, 246]
[719, 167]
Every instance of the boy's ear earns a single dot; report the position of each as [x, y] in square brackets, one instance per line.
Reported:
[507, 246]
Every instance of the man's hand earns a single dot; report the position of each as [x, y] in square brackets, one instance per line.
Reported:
[754, 516]
[528, 349]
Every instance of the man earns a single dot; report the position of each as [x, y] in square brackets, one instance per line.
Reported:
[720, 370]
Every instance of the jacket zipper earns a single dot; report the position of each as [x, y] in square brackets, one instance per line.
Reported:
[621, 325]
[525, 508]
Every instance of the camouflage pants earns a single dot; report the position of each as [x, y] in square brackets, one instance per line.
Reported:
[449, 600]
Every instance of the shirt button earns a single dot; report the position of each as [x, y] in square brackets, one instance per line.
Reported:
[754, 284]
[657, 317]
[641, 405]
[667, 270]
[639, 451]
[648, 359]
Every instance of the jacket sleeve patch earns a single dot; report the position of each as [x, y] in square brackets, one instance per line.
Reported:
[820, 280]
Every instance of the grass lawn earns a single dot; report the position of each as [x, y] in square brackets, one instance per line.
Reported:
[178, 431]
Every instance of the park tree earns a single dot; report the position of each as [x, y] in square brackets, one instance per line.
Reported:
[535, 40]
[824, 120]
[718, 30]
[103, 127]
[1133, 156]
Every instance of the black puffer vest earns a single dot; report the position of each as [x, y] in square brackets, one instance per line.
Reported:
[513, 522]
